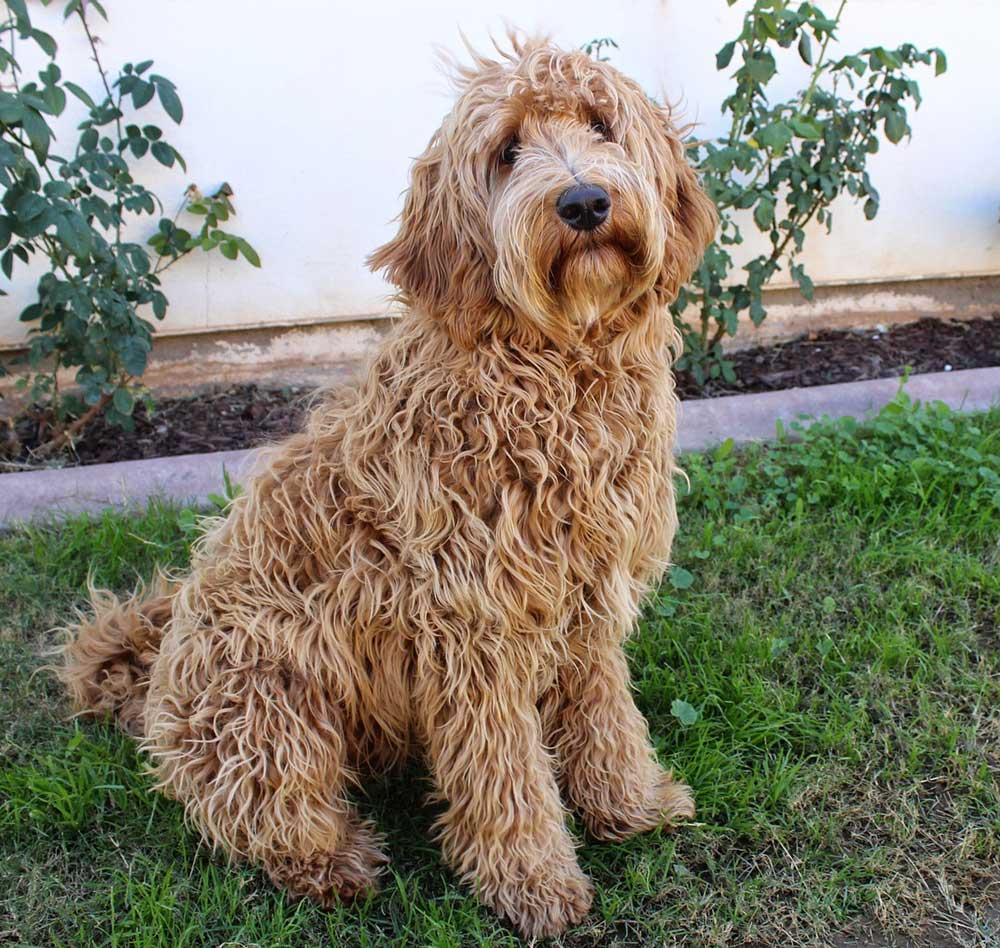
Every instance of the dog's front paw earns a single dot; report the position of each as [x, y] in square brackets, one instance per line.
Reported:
[665, 803]
[328, 877]
[544, 906]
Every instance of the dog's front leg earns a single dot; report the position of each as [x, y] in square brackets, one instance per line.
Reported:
[609, 766]
[504, 827]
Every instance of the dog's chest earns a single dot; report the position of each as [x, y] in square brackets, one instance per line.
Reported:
[581, 487]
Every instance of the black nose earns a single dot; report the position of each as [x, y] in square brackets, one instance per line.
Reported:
[584, 206]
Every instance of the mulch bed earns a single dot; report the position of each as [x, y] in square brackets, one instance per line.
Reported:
[830, 356]
[243, 416]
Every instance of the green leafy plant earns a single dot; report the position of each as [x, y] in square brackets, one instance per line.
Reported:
[75, 212]
[787, 161]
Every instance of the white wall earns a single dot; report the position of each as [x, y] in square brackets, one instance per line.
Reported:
[313, 109]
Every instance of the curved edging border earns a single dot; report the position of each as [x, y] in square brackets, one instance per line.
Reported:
[34, 495]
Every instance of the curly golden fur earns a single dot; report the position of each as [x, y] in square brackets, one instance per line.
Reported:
[446, 561]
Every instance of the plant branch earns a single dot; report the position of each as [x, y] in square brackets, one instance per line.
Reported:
[111, 101]
[66, 434]
[807, 98]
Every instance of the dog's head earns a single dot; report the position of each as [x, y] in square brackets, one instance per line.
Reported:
[555, 196]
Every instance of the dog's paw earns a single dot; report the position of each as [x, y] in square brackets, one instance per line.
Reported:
[665, 804]
[342, 875]
[545, 907]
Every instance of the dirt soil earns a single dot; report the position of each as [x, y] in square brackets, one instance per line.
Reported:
[243, 416]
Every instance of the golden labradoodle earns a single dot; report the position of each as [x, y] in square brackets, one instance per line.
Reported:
[447, 560]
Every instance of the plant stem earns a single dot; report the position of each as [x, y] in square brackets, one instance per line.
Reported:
[776, 254]
[807, 98]
[157, 269]
[111, 101]
[66, 434]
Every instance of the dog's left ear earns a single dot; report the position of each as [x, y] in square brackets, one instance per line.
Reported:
[691, 215]
[435, 258]
[694, 217]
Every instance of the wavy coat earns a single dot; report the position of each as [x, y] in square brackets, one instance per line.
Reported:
[446, 561]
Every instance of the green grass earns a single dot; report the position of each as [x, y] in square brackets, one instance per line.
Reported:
[823, 666]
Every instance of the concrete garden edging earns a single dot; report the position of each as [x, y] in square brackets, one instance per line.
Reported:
[190, 478]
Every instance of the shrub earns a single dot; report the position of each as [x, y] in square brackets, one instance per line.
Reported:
[90, 313]
[787, 161]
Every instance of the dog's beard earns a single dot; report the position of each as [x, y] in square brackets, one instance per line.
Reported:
[566, 281]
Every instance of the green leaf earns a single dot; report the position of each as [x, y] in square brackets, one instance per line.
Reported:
[31, 313]
[806, 128]
[775, 136]
[163, 153]
[940, 62]
[55, 100]
[871, 209]
[684, 712]
[57, 189]
[170, 101]
[75, 234]
[47, 43]
[887, 57]
[680, 578]
[895, 125]
[51, 74]
[135, 355]
[19, 10]
[38, 132]
[779, 646]
[805, 48]
[11, 109]
[123, 401]
[725, 55]
[763, 213]
[229, 249]
[29, 206]
[142, 93]
[724, 450]
[761, 67]
[804, 281]
[248, 252]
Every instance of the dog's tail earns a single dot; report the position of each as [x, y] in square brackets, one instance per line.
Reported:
[107, 656]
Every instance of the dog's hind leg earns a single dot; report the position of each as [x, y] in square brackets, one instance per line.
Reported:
[256, 753]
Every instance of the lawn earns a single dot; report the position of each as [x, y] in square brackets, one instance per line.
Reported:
[822, 665]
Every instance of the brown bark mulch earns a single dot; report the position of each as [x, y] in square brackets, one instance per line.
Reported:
[242, 416]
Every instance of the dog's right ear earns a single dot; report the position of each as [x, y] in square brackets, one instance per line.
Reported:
[440, 259]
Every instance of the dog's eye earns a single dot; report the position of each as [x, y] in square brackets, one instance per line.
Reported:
[509, 154]
[600, 128]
